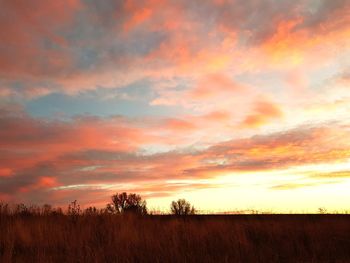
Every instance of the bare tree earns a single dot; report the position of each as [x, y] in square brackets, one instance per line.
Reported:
[91, 210]
[74, 208]
[123, 203]
[46, 209]
[182, 207]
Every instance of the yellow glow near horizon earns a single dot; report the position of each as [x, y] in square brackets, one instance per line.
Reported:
[302, 189]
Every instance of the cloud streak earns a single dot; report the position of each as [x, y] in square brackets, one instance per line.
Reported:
[49, 157]
[97, 96]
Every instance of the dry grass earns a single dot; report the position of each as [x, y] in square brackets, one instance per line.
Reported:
[115, 238]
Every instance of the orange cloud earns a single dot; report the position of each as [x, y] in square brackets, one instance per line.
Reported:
[292, 186]
[217, 116]
[297, 39]
[213, 85]
[47, 181]
[208, 63]
[282, 45]
[264, 112]
[49, 158]
[4, 172]
[44, 182]
[47, 45]
[139, 15]
[22, 29]
[176, 124]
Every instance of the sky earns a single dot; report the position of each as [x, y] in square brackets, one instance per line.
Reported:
[233, 105]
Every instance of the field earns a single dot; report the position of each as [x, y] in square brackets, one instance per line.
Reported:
[200, 238]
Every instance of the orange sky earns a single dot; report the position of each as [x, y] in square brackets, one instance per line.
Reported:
[233, 105]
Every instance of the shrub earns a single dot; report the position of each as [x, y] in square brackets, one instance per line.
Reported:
[74, 208]
[182, 207]
[127, 203]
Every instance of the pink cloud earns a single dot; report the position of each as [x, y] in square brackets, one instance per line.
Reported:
[208, 60]
[140, 16]
[176, 124]
[56, 160]
[22, 28]
[264, 112]
[214, 84]
[188, 41]
[5, 172]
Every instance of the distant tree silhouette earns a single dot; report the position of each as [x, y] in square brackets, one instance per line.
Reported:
[127, 203]
[182, 207]
[46, 209]
[4, 209]
[91, 210]
[322, 210]
[74, 208]
[22, 209]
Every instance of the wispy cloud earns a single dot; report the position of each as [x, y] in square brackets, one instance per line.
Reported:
[98, 95]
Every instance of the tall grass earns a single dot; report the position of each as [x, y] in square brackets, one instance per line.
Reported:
[99, 237]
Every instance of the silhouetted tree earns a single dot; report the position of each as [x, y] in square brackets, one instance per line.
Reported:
[21, 209]
[74, 208]
[322, 210]
[182, 207]
[91, 210]
[4, 209]
[124, 203]
[46, 209]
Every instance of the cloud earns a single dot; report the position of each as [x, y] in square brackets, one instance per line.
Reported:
[334, 174]
[24, 32]
[213, 85]
[138, 18]
[292, 186]
[4, 172]
[208, 84]
[264, 112]
[300, 146]
[176, 124]
[315, 179]
[41, 158]
[27, 141]
[78, 45]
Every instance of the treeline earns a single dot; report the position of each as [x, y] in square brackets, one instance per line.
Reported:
[121, 203]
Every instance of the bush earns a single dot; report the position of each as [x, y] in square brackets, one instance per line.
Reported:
[182, 207]
[127, 203]
[74, 208]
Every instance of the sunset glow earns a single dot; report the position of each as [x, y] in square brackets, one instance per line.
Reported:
[233, 105]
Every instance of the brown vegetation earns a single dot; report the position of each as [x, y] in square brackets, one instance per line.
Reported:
[182, 207]
[127, 203]
[47, 235]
